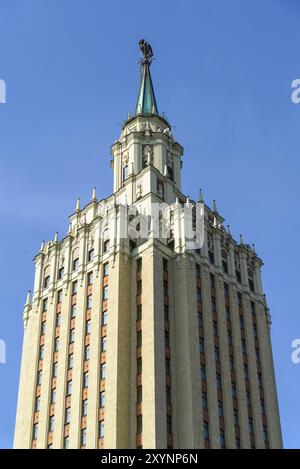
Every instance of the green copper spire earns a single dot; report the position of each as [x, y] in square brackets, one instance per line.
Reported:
[146, 102]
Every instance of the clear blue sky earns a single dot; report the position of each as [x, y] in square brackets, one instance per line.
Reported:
[222, 74]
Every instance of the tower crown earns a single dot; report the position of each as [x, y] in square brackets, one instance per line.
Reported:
[146, 141]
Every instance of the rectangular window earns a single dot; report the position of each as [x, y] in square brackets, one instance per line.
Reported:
[219, 381]
[166, 288]
[103, 371]
[139, 312]
[88, 326]
[83, 437]
[230, 338]
[106, 246]
[54, 371]
[201, 345]
[204, 400]
[73, 311]
[139, 394]
[227, 313]
[45, 305]
[213, 304]
[103, 344]
[198, 271]
[220, 409]
[165, 265]
[215, 328]
[74, 287]
[37, 405]
[43, 328]
[239, 298]
[105, 292]
[139, 288]
[200, 320]
[168, 394]
[75, 264]
[58, 319]
[47, 281]
[84, 407]
[86, 379]
[91, 255]
[222, 439]
[199, 297]
[51, 423]
[105, 269]
[234, 392]
[53, 396]
[67, 415]
[236, 417]
[39, 378]
[102, 399]
[101, 429]
[60, 273]
[226, 290]
[90, 278]
[203, 373]
[139, 339]
[139, 366]
[66, 442]
[42, 352]
[69, 388]
[167, 339]
[72, 336]
[212, 281]
[87, 352]
[205, 430]
[139, 423]
[242, 324]
[35, 431]
[139, 265]
[251, 429]
[59, 296]
[89, 302]
[70, 361]
[104, 318]
[56, 344]
[248, 398]
[217, 354]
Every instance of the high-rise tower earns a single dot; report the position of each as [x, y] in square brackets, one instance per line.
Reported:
[139, 340]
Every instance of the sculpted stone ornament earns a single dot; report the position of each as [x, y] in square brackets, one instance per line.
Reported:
[148, 153]
[146, 50]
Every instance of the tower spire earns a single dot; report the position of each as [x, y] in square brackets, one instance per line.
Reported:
[146, 102]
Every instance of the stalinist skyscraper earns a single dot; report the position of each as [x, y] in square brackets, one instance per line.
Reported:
[141, 341]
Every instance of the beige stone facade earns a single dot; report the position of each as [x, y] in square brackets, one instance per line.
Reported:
[144, 343]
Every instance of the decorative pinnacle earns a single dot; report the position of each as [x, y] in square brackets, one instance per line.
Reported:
[78, 205]
[56, 237]
[228, 230]
[94, 195]
[241, 239]
[42, 246]
[28, 301]
[200, 199]
[215, 210]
